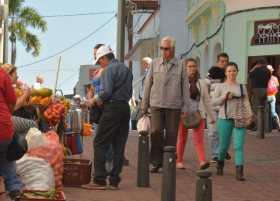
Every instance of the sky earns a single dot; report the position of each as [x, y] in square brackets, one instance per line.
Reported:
[63, 32]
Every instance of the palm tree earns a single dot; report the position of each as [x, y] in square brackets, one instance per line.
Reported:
[22, 18]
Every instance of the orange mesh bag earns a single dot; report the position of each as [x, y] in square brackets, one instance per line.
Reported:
[52, 152]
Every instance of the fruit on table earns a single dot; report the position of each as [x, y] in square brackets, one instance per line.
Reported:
[35, 100]
[43, 92]
[54, 113]
[18, 92]
[45, 101]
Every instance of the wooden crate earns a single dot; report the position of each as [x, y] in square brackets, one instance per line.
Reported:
[77, 172]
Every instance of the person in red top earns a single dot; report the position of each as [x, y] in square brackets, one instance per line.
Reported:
[7, 104]
[272, 90]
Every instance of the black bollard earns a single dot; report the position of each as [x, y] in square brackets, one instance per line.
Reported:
[267, 118]
[260, 121]
[143, 173]
[168, 190]
[203, 186]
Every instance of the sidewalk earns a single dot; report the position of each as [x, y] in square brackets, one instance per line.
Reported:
[262, 172]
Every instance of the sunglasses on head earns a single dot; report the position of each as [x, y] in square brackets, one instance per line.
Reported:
[165, 48]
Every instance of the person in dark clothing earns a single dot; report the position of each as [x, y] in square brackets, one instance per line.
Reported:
[113, 128]
[259, 77]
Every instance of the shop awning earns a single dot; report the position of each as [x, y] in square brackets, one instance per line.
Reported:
[146, 4]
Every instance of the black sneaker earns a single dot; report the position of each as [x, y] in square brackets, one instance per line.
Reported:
[14, 194]
[228, 156]
[155, 169]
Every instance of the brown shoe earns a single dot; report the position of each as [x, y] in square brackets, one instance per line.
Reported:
[94, 186]
[204, 166]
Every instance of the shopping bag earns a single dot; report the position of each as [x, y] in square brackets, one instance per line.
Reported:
[144, 125]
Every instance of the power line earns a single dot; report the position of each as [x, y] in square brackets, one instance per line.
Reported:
[67, 79]
[78, 14]
[71, 46]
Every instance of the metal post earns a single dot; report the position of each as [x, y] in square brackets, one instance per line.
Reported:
[267, 118]
[121, 30]
[260, 121]
[168, 190]
[203, 186]
[57, 74]
[6, 34]
[143, 173]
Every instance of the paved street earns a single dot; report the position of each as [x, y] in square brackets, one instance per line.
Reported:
[262, 173]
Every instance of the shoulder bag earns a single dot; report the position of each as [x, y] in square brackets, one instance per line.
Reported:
[193, 119]
[242, 116]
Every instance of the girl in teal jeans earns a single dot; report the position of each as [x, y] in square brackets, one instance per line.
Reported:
[227, 95]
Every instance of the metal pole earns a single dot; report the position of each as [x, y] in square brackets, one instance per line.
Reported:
[143, 173]
[121, 30]
[203, 186]
[168, 191]
[260, 121]
[6, 34]
[57, 74]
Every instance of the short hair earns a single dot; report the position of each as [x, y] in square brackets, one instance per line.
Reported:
[110, 56]
[260, 61]
[232, 64]
[148, 60]
[190, 60]
[223, 54]
[170, 39]
[97, 46]
[8, 68]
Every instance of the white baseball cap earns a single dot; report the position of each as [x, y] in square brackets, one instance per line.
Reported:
[102, 51]
[77, 96]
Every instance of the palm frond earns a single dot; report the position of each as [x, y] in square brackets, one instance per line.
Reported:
[31, 43]
[30, 17]
[20, 31]
[15, 6]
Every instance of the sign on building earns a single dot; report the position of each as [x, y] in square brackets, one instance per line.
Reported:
[266, 32]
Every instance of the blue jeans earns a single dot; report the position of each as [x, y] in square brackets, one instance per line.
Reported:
[272, 102]
[213, 137]
[8, 170]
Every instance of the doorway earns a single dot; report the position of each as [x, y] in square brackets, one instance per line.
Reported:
[273, 60]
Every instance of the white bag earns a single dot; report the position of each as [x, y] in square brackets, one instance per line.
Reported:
[144, 125]
[35, 173]
[35, 138]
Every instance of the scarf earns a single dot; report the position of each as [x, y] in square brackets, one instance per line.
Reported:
[194, 91]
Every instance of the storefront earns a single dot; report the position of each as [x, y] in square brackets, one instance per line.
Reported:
[245, 30]
[252, 34]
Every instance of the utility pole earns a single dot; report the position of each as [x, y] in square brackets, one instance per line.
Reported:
[121, 30]
[6, 33]
[57, 74]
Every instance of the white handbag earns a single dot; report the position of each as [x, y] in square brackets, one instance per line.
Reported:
[144, 125]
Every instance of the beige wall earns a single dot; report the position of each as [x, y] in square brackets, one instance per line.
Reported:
[235, 5]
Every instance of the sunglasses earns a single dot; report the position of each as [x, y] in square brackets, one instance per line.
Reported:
[165, 48]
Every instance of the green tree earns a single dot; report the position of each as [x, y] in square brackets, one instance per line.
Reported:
[22, 18]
